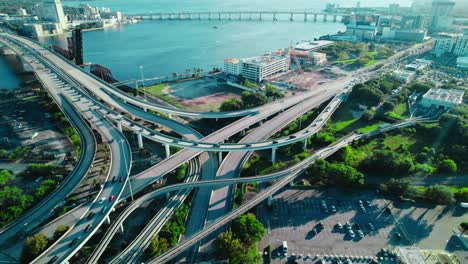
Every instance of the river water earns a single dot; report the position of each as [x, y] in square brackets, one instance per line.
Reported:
[164, 47]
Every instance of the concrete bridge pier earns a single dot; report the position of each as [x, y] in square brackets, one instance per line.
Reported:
[190, 16]
[170, 17]
[240, 15]
[229, 15]
[220, 157]
[242, 132]
[270, 198]
[250, 16]
[121, 228]
[274, 17]
[209, 15]
[179, 16]
[169, 115]
[291, 183]
[199, 16]
[145, 109]
[119, 126]
[168, 150]
[305, 17]
[168, 196]
[315, 17]
[334, 18]
[325, 18]
[108, 219]
[304, 146]
[291, 17]
[140, 141]
[219, 16]
[160, 16]
[260, 16]
[273, 155]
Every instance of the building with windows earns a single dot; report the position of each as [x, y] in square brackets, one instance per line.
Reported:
[418, 65]
[258, 68]
[441, 15]
[442, 98]
[22, 12]
[404, 75]
[52, 11]
[318, 58]
[461, 46]
[362, 32]
[445, 43]
[232, 66]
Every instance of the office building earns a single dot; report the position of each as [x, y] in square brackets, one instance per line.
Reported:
[461, 46]
[52, 11]
[318, 58]
[442, 98]
[404, 75]
[232, 66]
[445, 43]
[441, 15]
[418, 65]
[22, 12]
[258, 68]
[361, 32]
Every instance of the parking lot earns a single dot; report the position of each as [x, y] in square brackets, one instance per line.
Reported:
[296, 214]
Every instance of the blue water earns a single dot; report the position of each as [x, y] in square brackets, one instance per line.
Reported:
[8, 77]
[164, 47]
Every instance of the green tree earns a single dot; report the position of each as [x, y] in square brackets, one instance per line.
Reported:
[5, 177]
[248, 229]
[231, 105]
[421, 87]
[253, 99]
[33, 246]
[447, 166]
[439, 194]
[388, 106]
[343, 55]
[273, 91]
[398, 187]
[61, 229]
[228, 245]
[157, 246]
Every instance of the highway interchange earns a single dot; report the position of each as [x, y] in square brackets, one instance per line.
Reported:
[102, 106]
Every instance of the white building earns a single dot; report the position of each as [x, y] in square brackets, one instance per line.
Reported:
[444, 43]
[418, 64]
[442, 98]
[404, 75]
[232, 66]
[461, 46]
[22, 12]
[258, 68]
[52, 11]
[362, 32]
[43, 29]
[318, 58]
[462, 62]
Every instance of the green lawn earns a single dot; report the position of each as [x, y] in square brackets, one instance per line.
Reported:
[453, 189]
[157, 91]
[369, 128]
[370, 63]
[398, 112]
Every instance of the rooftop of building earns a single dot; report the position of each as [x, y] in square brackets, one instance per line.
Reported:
[462, 60]
[418, 64]
[312, 45]
[446, 95]
[449, 35]
[361, 27]
[263, 60]
[232, 60]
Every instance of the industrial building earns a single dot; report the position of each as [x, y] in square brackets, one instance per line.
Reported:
[232, 66]
[258, 68]
[306, 52]
[442, 98]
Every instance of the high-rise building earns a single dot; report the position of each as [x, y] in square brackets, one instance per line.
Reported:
[441, 15]
[445, 43]
[461, 47]
[52, 10]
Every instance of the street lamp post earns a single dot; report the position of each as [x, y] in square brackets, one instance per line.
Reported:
[143, 80]
[127, 177]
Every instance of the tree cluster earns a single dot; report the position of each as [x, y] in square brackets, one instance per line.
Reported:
[238, 245]
[336, 174]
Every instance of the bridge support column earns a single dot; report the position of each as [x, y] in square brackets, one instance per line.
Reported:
[179, 16]
[199, 16]
[260, 123]
[119, 126]
[305, 17]
[334, 18]
[220, 157]
[229, 16]
[291, 17]
[274, 17]
[325, 18]
[270, 198]
[209, 16]
[121, 228]
[315, 17]
[168, 150]
[170, 16]
[260, 17]
[240, 15]
[243, 132]
[108, 219]
[219, 16]
[160, 16]
[304, 146]
[190, 16]
[168, 196]
[273, 155]
[291, 183]
[250, 16]
[140, 141]
[169, 115]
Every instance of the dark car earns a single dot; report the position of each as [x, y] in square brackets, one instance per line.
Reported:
[398, 236]
[292, 136]
[113, 179]
[87, 228]
[121, 179]
[55, 258]
[74, 241]
[91, 214]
